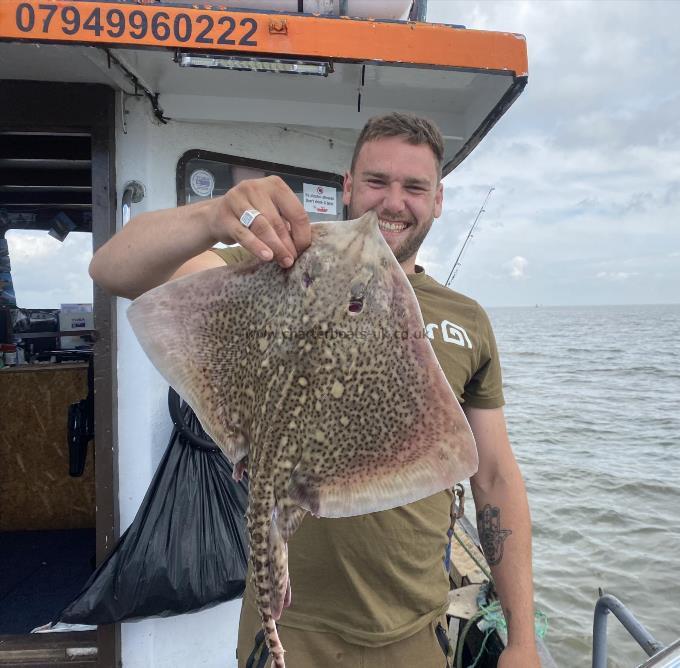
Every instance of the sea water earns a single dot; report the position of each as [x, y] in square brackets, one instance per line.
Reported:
[593, 411]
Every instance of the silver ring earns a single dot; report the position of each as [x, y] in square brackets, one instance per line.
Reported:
[249, 216]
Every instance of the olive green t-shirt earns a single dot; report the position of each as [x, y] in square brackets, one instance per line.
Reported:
[378, 578]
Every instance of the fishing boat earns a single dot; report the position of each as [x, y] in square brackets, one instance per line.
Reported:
[112, 108]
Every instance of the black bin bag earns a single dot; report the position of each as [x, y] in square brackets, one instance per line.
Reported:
[187, 548]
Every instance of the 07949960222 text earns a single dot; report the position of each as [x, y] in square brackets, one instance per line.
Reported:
[171, 27]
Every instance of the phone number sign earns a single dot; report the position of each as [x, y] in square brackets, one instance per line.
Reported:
[118, 23]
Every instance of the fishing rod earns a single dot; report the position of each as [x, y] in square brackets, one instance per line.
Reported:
[456, 264]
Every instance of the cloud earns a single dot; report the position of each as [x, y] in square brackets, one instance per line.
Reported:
[47, 273]
[616, 275]
[586, 163]
[28, 247]
[517, 267]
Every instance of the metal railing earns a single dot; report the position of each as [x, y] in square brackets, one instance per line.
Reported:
[652, 647]
[132, 193]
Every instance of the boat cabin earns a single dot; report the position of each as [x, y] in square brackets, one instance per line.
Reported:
[111, 108]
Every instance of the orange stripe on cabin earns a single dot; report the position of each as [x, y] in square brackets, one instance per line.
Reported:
[208, 28]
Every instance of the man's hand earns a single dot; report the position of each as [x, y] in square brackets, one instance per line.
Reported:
[515, 656]
[156, 246]
[281, 232]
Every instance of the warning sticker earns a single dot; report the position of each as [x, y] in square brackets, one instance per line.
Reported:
[320, 199]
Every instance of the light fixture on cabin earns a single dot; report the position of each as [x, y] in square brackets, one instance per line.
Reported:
[320, 68]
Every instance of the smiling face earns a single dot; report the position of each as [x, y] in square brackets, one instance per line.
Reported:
[400, 182]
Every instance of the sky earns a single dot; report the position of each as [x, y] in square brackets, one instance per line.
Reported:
[585, 164]
[585, 168]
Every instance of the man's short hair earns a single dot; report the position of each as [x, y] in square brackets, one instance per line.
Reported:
[413, 129]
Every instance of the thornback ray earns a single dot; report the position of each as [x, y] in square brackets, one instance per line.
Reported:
[321, 378]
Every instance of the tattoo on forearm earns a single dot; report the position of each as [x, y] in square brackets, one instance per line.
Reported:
[490, 533]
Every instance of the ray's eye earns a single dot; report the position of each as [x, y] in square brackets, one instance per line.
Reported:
[307, 280]
[356, 305]
[357, 291]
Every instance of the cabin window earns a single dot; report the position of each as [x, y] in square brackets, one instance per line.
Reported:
[202, 175]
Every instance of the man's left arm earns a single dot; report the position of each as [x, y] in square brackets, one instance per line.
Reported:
[504, 528]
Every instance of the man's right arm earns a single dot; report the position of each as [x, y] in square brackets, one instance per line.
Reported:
[159, 245]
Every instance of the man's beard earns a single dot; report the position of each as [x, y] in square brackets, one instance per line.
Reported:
[408, 247]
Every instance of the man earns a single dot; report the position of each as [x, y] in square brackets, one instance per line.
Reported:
[370, 590]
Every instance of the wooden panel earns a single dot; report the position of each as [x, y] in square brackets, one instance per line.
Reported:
[463, 601]
[72, 649]
[464, 570]
[36, 490]
[105, 379]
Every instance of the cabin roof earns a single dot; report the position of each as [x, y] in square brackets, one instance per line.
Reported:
[464, 80]
[206, 29]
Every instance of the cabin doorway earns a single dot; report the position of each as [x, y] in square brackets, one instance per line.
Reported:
[58, 510]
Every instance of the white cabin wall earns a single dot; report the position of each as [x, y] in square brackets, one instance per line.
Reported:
[148, 152]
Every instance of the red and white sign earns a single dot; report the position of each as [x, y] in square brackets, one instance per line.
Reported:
[319, 199]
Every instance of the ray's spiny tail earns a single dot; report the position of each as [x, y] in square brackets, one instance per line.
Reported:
[260, 518]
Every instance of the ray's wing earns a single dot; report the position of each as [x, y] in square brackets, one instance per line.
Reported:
[196, 332]
[384, 427]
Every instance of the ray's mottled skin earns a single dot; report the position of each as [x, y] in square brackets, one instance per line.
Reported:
[319, 379]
